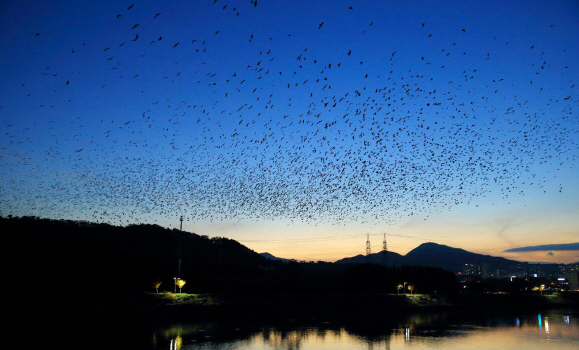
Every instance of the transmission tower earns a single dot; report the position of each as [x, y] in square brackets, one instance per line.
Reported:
[384, 252]
[368, 250]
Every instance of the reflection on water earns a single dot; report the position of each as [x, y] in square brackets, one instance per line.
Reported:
[176, 343]
[552, 330]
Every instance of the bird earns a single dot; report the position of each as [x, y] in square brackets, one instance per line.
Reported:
[338, 143]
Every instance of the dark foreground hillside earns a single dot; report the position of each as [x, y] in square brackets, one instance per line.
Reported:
[100, 258]
[85, 258]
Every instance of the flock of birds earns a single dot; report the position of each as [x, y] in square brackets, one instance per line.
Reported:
[248, 125]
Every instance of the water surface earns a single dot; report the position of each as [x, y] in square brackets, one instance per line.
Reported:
[552, 330]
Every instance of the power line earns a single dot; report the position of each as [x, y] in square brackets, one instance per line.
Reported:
[330, 238]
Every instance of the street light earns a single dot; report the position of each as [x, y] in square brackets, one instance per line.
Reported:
[405, 283]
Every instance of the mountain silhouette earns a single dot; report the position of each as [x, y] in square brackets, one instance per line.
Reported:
[435, 255]
[271, 257]
[449, 258]
[392, 259]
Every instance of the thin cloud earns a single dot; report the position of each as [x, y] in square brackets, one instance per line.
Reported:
[545, 247]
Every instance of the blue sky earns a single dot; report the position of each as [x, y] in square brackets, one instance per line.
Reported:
[452, 122]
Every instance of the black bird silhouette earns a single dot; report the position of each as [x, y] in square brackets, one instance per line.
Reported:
[136, 37]
[157, 15]
[321, 24]
[135, 26]
[176, 45]
[130, 7]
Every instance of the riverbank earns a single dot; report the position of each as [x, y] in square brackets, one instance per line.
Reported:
[218, 306]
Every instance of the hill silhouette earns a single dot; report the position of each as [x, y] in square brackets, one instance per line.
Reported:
[449, 258]
[392, 259]
[106, 257]
[435, 255]
[95, 259]
[272, 257]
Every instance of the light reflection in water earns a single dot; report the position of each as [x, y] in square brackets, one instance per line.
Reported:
[430, 332]
[176, 343]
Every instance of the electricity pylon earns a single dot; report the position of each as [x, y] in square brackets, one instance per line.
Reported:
[368, 250]
[384, 252]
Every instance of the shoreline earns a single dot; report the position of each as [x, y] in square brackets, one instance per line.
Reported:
[222, 306]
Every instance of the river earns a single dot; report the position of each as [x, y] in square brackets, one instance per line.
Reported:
[556, 329]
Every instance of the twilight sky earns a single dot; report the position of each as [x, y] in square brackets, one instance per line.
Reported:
[297, 127]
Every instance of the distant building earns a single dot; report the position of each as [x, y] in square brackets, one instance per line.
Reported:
[573, 283]
[471, 270]
[485, 273]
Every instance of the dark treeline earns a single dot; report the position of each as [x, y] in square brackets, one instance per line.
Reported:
[55, 256]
